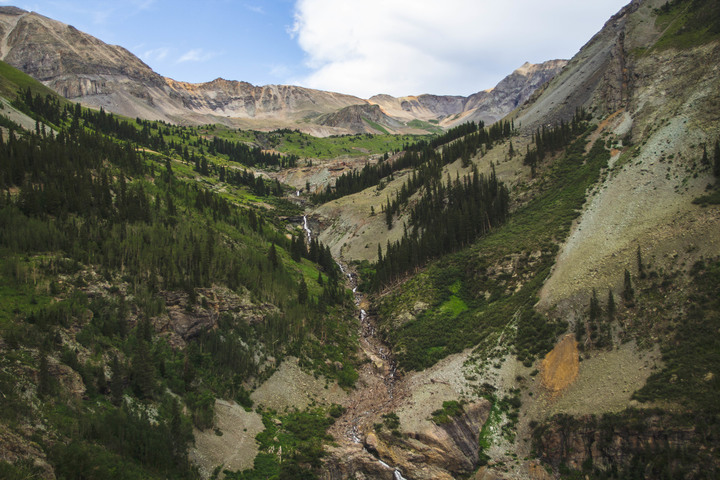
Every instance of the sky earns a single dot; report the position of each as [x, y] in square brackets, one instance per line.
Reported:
[358, 47]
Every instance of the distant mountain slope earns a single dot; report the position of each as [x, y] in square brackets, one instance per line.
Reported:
[82, 68]
[488, 106]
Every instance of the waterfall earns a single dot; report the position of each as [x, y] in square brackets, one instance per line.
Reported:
[306, 228]
[397, 475]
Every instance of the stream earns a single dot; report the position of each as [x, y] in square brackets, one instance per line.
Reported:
[380, 373]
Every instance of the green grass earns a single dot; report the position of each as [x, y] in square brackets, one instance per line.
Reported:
[376, 126]
[12, 79]
[421, 125]
[307, 146]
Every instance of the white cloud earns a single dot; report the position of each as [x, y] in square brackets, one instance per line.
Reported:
[406, 47]
[196, 55]
[155, 54]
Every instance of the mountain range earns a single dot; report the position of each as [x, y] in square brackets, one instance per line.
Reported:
[85, 69]
[537, 298]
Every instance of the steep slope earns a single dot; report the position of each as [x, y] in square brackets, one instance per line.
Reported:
[612, 247]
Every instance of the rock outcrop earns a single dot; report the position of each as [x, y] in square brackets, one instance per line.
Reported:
[617, 443]
[434, 452]
[185, 321]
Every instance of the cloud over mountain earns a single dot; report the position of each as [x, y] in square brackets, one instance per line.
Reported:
[449, 47]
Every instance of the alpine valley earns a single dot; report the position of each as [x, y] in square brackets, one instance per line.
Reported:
[229, 281]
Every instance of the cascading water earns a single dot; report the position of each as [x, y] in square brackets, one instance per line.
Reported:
[368, 331]
[307, 229]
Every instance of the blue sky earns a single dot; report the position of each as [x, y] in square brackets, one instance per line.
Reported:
[360, 47]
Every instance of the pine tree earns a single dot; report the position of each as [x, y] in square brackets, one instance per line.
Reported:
[116, 381]
[628, 292]
[641, 267]
[302, 292]
[611, 307]
[272, 256]
[143, 371]
[389, 216]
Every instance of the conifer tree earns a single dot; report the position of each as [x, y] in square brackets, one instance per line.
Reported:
[302, 292]
[116, 381]
[611, 307]
[641, 267]
[389, 216]
[272, 256]
[628, 292]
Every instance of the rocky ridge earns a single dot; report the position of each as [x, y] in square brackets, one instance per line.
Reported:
[83, 68]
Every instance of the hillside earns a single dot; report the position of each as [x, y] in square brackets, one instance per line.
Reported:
[534, 297]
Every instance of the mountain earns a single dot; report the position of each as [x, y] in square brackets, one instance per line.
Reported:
[83, 68]
[605, 277]
[534, 299]
[487, 106]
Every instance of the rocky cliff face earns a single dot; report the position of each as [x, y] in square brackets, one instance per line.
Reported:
[597, 76]
[433, 452]
[83, 68]
[585, 443]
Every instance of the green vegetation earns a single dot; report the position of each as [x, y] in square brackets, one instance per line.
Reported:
[13, 80]
[376, 126]
[693, 354]
[291, 446]
[688, 23]
[302, 145]
[450, 409]
[447, 218]
[430, 126]
[669, 437]
[497, 301]
[113, 232]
